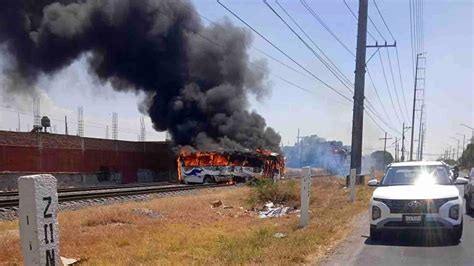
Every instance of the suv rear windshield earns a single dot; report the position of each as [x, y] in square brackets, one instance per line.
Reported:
[416, 175]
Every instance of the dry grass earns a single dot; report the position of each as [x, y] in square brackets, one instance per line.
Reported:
[191, 232]
[286, 193]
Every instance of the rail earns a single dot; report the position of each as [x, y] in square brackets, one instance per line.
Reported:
[89, 193]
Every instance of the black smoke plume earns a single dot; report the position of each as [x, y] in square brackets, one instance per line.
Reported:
[197, 77]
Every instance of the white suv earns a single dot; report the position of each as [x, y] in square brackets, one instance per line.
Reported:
[416, 195]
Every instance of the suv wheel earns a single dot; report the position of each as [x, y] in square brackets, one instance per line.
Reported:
[375, 234]
[456, 234]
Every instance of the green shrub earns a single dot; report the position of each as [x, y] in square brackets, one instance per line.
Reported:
[284, 192]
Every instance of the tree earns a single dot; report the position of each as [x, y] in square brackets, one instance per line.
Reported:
[467, 158]
[378, 159]
[315, 151]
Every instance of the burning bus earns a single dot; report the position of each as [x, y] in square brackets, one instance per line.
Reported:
[217, 167]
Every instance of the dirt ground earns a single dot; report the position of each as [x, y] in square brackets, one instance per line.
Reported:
[187, 230]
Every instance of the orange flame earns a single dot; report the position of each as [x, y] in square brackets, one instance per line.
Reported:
[271, 163]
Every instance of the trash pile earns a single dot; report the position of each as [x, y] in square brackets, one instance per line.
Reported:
[270, 210]
[71, 261]
[279, 235]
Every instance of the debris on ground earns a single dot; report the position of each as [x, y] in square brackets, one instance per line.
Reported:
[147, 212]
[69, 261]
[269, 204]
[227, 207]
[279, 235]
[216, 204]
[270, 210]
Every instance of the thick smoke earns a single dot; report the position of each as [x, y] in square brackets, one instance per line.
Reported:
[197, 77]
[318, 152]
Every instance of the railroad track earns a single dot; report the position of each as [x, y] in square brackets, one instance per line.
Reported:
[66, 195]
[79, 189]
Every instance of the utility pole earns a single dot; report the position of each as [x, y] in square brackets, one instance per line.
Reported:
[420, 130]
[358, 109]
[299, 148]
[65, 125]
[471, 148]
[396, 149]
[422, 141]
[384, 148]
[19, 124]
[403, 142]
[414, 106]
[298, 143]
[463, 141]
[457, 153]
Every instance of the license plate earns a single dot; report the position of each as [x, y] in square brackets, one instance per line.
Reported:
[413, 219]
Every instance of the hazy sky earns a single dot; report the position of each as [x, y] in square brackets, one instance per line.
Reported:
[448, 32]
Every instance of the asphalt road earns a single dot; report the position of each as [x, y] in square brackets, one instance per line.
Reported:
[401, 249]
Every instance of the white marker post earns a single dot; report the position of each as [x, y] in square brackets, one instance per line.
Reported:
[39, 230]
[352, 184]
[305, 192]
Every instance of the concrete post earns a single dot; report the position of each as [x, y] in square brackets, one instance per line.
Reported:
[352, 184]
[39, 230]
[305, 192]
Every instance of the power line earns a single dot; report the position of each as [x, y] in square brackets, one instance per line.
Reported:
[319, 49]
[308, 46]
[255, 48]
[398, 59]
[367, 67]
[388, 89]
[289, 57]
[401, 81]
[355, 16]
[283, 52]
[338, 40]
[377, 29]
[377, 94]
[383, 20]
[375, 122]
[412, 38]
[315, 15]
[402, 114]
[277, 76]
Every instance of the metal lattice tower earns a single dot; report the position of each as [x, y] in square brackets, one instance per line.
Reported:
[36, 112]
[420, 106]
[114, 126]
[142, 136]
[80, 121]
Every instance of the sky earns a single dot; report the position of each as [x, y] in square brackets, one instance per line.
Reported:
[449, 84]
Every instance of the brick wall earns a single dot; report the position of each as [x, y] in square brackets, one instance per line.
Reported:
[46, 152]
